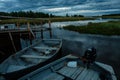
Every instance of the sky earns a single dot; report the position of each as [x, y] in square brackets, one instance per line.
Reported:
[63, 7]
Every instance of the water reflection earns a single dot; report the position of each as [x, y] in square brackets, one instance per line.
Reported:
[78, 23]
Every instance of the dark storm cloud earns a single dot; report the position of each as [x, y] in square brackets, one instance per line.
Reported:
[61, 7]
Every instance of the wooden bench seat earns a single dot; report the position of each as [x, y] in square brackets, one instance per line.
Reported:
[49, 48]
[34, 56]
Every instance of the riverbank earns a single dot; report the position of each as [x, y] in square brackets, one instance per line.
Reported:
[104, 28]
[38, 20]
[109, 17]
[113, 16]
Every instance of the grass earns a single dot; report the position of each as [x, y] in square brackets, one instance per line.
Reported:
[113, 17]
[105, 28]
[21, 21]
[109, 16]
[38, 21]
[61, 19]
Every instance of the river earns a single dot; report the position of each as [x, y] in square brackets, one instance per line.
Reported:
[78, 23]
[108, 47]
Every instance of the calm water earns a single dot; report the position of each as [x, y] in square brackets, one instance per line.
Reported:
[108, 47]
[78, 23]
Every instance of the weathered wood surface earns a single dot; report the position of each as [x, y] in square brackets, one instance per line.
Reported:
[79, 73]
[33, 56]
[17, 30]
[54, 76]
[49, 48]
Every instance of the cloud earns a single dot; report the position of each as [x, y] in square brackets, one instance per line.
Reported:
[58, 9]
[95, 11]
[62, 6]
[1, 5]
[89, 12]
[4, 0]
[7, 1]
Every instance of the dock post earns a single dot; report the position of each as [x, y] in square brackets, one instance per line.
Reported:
[35, 32]
[11, 38]
[18, 25]
[30, 33]
[30, 30]
[50, 29]
[41, 33]
[30, 38]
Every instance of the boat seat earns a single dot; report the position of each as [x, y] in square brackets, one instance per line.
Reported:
[49, 48]
[34, 56]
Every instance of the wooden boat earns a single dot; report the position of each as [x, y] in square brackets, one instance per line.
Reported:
[71, 68]
[31, 58]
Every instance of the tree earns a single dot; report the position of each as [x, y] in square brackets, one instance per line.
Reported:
[67, 15]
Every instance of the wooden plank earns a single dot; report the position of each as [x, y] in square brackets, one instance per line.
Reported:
[45, 50]
[49, 48]
[11, 38]
[63, 71]
[67, 71]
[90, 75]
[70, 72]
[50, 29]
[54, 76]
[58, 66]
[95, 76]
[82, 75]
[30, 30]
[32, 56]
[76, 73]
[42, 34]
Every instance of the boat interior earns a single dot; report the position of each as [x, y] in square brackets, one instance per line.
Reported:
[69, 69]
[37, 53]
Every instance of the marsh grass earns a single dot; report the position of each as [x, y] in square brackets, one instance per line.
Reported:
[61, 19]
[111, 17]
[105, 28]
[21, 21]
[44, 20]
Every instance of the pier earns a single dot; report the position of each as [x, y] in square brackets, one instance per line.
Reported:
[10, 37]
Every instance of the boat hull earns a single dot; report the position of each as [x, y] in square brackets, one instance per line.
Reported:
[70, 68]
[19, 73]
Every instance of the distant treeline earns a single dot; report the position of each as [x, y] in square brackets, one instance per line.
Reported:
[29, 14]
[32, 14]
[112, 15]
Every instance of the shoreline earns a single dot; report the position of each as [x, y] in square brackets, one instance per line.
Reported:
[110, 28]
